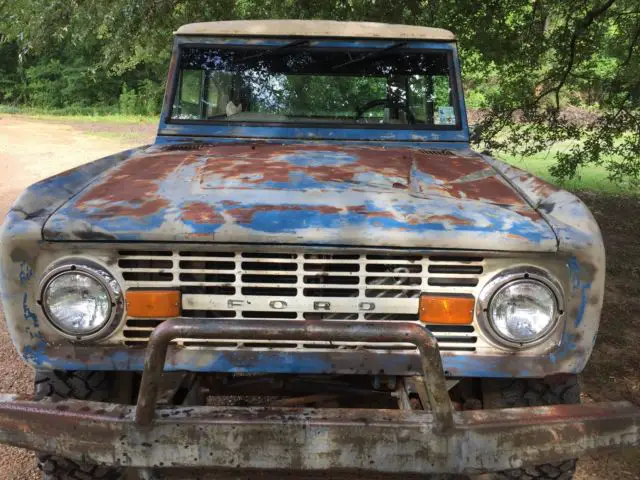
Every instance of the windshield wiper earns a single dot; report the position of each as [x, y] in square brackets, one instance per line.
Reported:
[371, 55]
[272, 51]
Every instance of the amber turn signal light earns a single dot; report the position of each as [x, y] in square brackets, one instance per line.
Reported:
[446, 310]
[153, 303]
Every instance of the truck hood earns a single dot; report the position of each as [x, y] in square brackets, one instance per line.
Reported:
[304, 194]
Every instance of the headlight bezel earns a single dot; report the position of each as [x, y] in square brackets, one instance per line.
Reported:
[511, 276]
[100, 275]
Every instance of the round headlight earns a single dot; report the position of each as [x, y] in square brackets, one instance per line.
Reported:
[523, 311]
[78, 301]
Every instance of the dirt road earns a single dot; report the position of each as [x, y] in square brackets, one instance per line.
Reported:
[31, 150]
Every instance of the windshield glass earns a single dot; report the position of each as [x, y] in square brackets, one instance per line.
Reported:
[293, 84]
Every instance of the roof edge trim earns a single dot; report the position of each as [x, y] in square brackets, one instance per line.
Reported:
[316, 28]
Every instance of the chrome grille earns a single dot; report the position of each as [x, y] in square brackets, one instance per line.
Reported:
[301, 286]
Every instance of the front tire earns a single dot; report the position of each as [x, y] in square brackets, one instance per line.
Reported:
[512, 393]
[59, 385]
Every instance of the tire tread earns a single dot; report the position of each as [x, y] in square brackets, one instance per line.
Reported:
[58, 386]
[513, 393]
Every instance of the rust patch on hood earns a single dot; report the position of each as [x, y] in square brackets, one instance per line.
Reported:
[314, 193]
[200, 212]
[132, 188]
[491, 188]
[448, 219]
[450, 167]
[326, 166]
[365, 210]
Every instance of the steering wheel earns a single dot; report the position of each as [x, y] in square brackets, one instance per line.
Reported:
[388, 103]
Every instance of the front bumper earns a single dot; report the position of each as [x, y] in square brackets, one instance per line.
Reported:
[398, 442]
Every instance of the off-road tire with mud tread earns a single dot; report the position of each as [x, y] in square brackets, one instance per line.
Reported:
[57, 468]
[93, 386]
[512, 393]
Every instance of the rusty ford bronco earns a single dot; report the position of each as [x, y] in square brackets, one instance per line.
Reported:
[308, 272]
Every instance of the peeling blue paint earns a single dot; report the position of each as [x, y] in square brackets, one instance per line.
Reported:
[579, 286]
[469, 365]
[32, 329]
[291, 192]
[29, 316]
[26, 272]
[33, 356]
[33, 353]
[262, 362]
[281, 219]
[163, 140]
[312, 133]
[319, 158]
[456, 365]
[584, 298]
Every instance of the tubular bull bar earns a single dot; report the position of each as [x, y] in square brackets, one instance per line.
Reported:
[266, 439]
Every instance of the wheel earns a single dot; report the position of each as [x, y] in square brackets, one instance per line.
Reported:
[510, 393]
[93, 386]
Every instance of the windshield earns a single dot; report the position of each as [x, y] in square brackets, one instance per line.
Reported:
[292, 84]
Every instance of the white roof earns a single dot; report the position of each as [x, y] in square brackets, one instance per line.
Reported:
[316, 28]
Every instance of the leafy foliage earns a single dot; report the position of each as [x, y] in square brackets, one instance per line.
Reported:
[527, 63]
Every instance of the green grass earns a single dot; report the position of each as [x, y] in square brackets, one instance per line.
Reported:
[591, 177]
[110, 118]
[99, 115]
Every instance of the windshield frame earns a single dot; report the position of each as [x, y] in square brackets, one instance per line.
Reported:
[312, 129]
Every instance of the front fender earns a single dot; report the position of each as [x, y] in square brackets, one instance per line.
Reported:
[578, 235]
[20, 239]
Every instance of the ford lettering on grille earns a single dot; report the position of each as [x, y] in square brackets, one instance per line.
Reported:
[284, 305]
[301, 285]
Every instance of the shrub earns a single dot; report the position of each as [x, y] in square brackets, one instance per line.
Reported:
[144, 100]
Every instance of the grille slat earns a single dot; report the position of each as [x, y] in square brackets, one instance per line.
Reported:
[452, 282]
[257, 285]
[456, 269]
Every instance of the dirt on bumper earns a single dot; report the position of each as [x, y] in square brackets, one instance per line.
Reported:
[313, 440]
